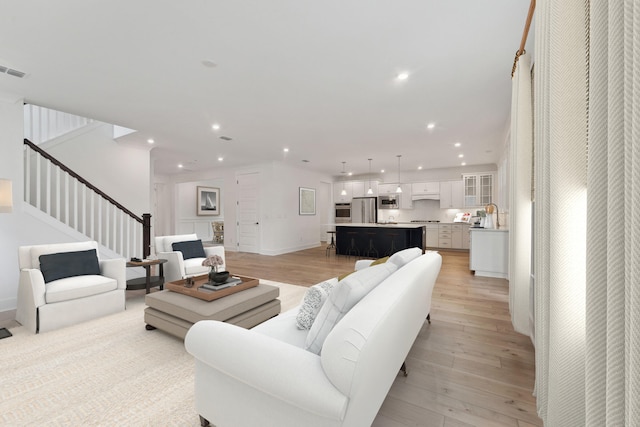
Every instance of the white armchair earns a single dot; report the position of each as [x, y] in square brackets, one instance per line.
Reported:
[177, 267]
[50, 300]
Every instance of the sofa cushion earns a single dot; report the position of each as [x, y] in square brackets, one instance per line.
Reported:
[190, 249]
[345, 295]
[69, 264]
[313, 300]
[405, 256]
[78, 287]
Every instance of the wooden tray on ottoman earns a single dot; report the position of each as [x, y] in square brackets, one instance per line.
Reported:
[206, 294]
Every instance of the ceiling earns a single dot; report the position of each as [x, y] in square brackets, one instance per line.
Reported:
[316, 77]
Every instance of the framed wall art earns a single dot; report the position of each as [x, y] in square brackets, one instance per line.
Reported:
[208, 200]
[307, 199]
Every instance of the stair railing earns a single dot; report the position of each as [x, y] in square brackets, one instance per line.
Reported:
[55, 189]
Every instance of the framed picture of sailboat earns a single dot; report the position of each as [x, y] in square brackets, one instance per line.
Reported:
[208, 199]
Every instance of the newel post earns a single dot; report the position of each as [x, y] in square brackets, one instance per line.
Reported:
[146, 235]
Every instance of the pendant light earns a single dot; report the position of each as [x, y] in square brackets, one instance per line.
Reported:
[370, 191]
[344, 190]
[399, 189]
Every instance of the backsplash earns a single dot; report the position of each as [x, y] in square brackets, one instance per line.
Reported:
[429, 210]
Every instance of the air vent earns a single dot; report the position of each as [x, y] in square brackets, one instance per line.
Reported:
[305, 161]
[11, 72]
[226, 138]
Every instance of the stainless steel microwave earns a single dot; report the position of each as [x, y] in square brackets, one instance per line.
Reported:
[391, 201]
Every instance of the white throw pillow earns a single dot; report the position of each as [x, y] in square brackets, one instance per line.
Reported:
[405, 256]
[313, 300]
[347, 293]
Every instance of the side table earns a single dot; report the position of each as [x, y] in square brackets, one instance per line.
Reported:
[148, 281]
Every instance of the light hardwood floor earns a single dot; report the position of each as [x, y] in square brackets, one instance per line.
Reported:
[468, 368]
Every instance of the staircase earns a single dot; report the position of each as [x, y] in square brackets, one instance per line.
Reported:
[59, 192]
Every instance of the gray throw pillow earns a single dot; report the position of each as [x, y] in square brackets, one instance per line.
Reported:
[313, 300]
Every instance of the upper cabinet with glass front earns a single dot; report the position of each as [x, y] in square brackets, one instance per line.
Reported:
[478, 189]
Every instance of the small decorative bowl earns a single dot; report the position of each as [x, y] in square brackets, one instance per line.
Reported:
[219, 277]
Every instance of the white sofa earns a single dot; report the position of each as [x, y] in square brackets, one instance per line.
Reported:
[177, 267]
[46, 306]
[265, 377]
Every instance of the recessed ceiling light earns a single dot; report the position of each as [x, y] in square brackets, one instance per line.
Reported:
[419, 168]
[431, 125]
[208, 63]
[150, 141]
[215, 126]
[220, 158]
[460, 156]
[402, 76]
[457, 144]
[350, 173]
[286, 150]
[180, 165]
[381, 170]
[463, 163]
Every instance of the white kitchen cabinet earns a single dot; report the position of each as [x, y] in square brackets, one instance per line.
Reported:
[432, 235]
[357, 189]
[451, 194]
[365, 188]
[456, 236]
[353, 189]
[337, 192]
[444, 236]
[405, 197]
[478, 189]
[425, 187]
[489, 252]
[387, 188]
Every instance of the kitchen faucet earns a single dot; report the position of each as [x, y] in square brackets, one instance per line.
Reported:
[486, 208]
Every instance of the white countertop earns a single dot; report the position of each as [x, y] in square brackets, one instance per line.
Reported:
[501, 229]
[357, 224]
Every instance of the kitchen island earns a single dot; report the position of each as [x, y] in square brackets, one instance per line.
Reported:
[378, 240]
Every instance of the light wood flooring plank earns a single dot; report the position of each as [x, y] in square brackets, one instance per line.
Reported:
[467, 368]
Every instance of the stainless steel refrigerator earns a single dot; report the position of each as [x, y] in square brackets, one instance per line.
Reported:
[364, 210]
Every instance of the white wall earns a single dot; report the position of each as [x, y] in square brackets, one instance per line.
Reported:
[282, 229]
[120, 170]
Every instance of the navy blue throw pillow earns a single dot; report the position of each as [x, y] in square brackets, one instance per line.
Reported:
[190, 249]
[69, 264]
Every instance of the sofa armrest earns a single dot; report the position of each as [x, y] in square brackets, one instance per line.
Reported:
[217, 250]
[174, 268]
[31, 295]
[277, 369]
[363, 263]
[115, 269]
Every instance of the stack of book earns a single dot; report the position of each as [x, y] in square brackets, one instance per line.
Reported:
[231, 281]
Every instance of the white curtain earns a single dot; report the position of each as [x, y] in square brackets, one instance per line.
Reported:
[587, 228]
[520, 165]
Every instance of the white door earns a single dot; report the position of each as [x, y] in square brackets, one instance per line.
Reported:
[248, 212]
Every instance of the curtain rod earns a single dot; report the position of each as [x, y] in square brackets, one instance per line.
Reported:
[525, 33]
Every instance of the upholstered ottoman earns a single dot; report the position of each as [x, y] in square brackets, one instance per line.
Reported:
[175, 313]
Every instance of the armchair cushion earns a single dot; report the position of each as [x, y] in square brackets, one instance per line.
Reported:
[190, 249]
[69, 264]
[78, 287]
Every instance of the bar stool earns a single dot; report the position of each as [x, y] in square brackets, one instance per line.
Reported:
[353, 248]
[392, 249]
[331, 245]
[371, 250]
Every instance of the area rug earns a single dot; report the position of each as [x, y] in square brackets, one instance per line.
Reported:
[106, 372]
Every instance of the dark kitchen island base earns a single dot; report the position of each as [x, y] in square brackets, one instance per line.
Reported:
[378, 240]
